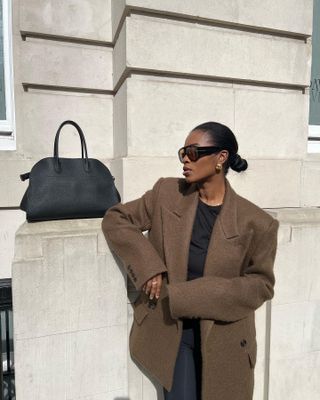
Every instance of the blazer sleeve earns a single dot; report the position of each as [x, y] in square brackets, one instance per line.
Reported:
[229, 299]
[122, 226]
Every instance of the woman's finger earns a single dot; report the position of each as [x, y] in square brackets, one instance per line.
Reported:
[159, 288]
[154, 284]
[149, 285]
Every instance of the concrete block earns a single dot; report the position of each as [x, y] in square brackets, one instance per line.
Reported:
[90, 284]
[120, 122]
[103, 249]
[35, 285]
[65, 299]
[245, 183]
[269, 183]
[10, 220]
[29, 247]
[284, 234]
[265, 122]
[135, 380]
[295, 378]
[288, 330]
[310, 179]
[68, 266]
[117, 10]
[214, 52]
[312, 328]
[120, 56]
[13, 187]
[44, 111]
[108, 366]
[66, 64]
[53, 228]
[116, 168]
[300, 218]
[295, 323]
[47, 382]
[287, 15]
[150, 168]
[262, 331]
[270, 123]
[296, 266]
[70, 354]
[150, 388]
[161, 113]
[85, 19]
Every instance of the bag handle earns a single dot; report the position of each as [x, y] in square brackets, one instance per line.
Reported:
[84, 152]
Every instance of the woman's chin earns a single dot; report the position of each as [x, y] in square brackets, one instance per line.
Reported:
[189, 179]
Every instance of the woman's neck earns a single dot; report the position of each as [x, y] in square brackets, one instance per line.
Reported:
[212, 192]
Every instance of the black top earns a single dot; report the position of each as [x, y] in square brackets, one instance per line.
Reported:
[202, 228]
[201, 232]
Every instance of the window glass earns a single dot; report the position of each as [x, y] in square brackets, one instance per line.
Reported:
[2, 81]
[314, 109]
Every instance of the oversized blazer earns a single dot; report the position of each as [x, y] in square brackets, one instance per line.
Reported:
[238, 278]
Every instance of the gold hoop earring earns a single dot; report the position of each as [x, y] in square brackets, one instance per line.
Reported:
[218, 168]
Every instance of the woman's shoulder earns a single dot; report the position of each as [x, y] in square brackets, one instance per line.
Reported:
[254, 214]
[170, 190]
[173, 184]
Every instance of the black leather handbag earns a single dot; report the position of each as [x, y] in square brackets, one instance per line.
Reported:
[68, 188]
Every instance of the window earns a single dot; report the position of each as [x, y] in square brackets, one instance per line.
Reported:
[7, 382]
[314, 114]
[7, 135]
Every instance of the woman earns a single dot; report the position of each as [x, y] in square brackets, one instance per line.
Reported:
[204, 269]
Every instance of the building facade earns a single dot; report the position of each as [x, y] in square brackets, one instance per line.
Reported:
[137, 76]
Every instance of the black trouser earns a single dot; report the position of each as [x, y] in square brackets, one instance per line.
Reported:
[187, 372]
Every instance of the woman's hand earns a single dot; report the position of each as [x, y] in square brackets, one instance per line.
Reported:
[153, 286]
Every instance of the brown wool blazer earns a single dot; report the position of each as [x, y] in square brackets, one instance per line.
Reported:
[238, 278]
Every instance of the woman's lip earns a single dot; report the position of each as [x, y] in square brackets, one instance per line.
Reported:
[186, 172]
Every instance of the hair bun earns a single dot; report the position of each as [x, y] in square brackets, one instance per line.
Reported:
[237, 163]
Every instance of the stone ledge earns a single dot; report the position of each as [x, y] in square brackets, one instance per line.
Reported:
[295, 19]
[144, 38]
[296, 215]
[63, 227]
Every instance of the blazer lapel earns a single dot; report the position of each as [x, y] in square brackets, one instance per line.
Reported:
[177, 231]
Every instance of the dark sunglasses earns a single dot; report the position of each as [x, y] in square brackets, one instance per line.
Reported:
[195, 152]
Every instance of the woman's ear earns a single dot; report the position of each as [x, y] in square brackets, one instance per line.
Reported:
[223, 156]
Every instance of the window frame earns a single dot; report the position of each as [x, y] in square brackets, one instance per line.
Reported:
[314, 139]
[7, 127]
[314, 130]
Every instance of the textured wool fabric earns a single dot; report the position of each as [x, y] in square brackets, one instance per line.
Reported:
[237, 278]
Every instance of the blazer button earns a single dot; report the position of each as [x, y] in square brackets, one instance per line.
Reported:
[134, 278]
[243, 342]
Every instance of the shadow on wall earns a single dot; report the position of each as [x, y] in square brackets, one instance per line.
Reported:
[122, 398]
[155, 383]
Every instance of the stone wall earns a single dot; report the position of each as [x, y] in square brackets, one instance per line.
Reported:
[138, 75]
